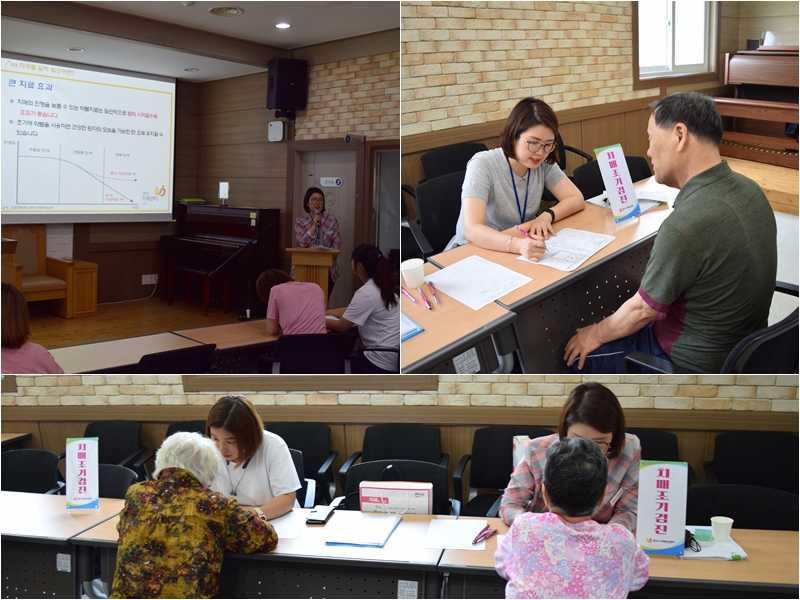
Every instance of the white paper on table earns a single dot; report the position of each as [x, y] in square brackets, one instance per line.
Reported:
[455, 535]
[476, 281]
[601, 200]
[290, 525]
[570, 248]
[727, 550]
[651, 199]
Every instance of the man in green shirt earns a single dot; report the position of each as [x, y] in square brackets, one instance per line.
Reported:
[711, 274]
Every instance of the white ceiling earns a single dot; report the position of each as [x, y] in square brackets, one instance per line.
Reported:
[312, 23]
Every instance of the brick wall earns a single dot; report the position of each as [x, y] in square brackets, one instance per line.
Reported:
[762, 393]
[468, 63]
[360, 95]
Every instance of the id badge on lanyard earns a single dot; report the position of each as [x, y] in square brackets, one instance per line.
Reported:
[521, 210]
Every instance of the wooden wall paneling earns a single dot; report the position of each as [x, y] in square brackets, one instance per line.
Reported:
[187, 97]
[136, 263]
[187, 129]
[457, 441]
[380, 42]
[234, 94]
[267, 192]
[185, 187]
[109, 275]
[185, 162]
[338, 443]
[603, 131]
[695, 447]
[235, 127]
[635, 143]
[253, 160]
[55, 433]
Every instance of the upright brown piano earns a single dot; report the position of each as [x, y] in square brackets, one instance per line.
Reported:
[764, 109]
[208, 235]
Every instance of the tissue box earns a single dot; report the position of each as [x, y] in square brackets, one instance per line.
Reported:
[396, 497]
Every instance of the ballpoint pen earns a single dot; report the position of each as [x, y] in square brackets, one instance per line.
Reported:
[525, 233]
[424, 298]
[433, 292]
[407, 295]
[485, 536]
[480, 534]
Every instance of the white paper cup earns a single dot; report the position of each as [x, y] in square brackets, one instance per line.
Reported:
[721, 528]
[413, 271]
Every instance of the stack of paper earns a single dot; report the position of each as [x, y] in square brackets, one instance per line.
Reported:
[727, 550]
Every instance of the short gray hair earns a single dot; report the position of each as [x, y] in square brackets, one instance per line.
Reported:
[190, 451]
[576, 474]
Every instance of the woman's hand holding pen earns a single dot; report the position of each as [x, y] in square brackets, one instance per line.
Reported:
[531, 247]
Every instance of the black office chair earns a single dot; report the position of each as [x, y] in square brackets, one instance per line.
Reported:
[115, 480]
[192, 360]
[401, 470]
[589, 181]
[32, 470]
[307, 493]
[449, 159]
[314, 441]
[492, 464]
[410, 441]
[358, 358]
[661, 445]
[750, 506]
[561, 161]
[438, 207]
[310, 354]
[199, 426]
[119, 443]
[774, 349]
[408, 243]
[762, 458]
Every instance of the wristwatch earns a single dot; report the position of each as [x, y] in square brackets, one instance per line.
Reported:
[551, 213]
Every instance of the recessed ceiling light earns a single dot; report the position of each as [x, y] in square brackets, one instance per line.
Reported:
[191, 70]
[226, 11]
[75, 49]
[188, 3]
[283, 25]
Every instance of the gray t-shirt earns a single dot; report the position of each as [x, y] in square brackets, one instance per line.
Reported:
[488, 178]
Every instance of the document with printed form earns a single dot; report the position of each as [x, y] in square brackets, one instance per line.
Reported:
[570, 248]
[476, 281]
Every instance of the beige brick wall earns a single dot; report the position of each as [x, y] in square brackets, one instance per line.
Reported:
[465, 63]
[776, 393]
[359, 95]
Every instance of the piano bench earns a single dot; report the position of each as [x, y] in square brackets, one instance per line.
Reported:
[191, 275]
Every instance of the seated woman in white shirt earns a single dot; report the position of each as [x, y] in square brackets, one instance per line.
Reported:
[255, 466]
[375, 308]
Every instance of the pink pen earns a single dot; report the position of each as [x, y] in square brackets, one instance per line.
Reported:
[433, 293]
[407, 295]
[523, 232]
[424, 298]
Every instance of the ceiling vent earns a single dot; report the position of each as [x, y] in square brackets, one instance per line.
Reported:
[226, 11]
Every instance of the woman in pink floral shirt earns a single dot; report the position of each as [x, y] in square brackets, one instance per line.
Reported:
[318, 229]
[564, 553]
[592, 411]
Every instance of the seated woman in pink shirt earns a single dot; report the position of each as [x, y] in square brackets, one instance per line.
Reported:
[18, 354]
[565, 553]
[292, 306]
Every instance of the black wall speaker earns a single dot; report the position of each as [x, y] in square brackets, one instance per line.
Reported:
[288, 83]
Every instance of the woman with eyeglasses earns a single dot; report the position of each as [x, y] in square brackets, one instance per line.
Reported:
[503, 187]
[593, 412]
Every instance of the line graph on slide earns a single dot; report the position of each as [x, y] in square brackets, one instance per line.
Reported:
[60, 176]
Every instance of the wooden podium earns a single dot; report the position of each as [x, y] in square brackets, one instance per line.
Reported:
[312, 265]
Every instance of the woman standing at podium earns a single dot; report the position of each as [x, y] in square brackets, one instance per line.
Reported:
[318, 229]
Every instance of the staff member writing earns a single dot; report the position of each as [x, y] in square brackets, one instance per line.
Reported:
[318, 229]
[592, 411]
[255, 465]
[503, 186]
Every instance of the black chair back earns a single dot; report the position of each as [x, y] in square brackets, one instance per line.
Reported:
[312, 439]
[194, 360]
[311, 354]
[115, 480]
[438, 205]
[761, 458]
[589, 180]
[190, 426]
[750, 506]
[492, 454]
[449, 159]
[32, 470]
[302, 493]
[656, 444]
[399, 470]
[119, 441]
[773, 349]
[638, 167]
[409, 441]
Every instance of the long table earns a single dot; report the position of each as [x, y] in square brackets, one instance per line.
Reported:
[38, 559]
[453, 331]
[551, 307]
[238, 347]
[771, 570]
